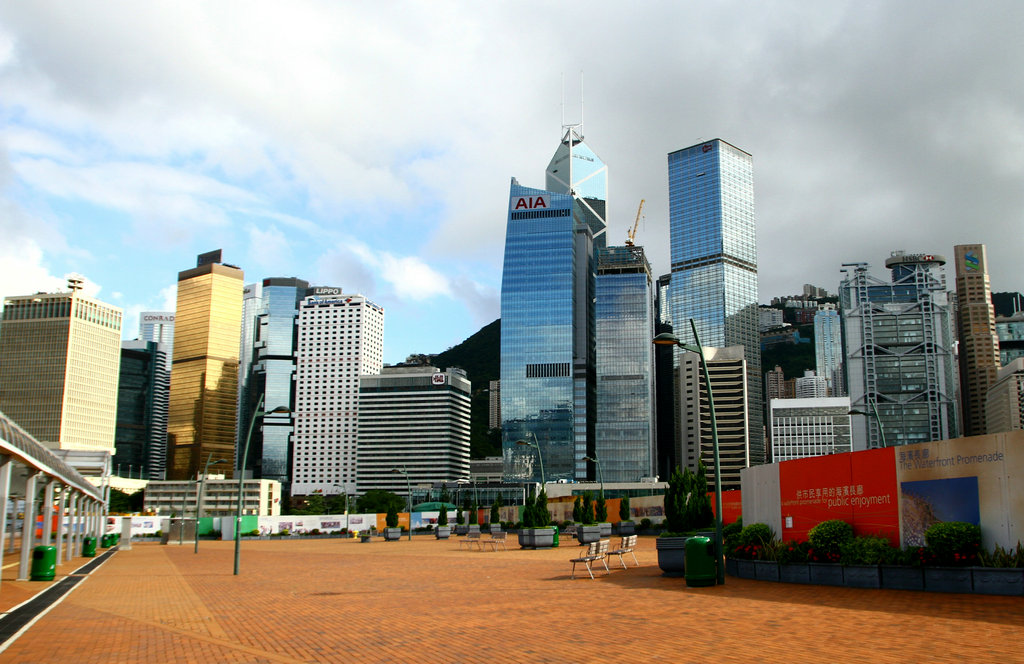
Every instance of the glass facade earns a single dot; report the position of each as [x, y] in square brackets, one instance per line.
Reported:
[828, 349]
[140, 441]
[714, 259]
[1010, 331]
[624, 313]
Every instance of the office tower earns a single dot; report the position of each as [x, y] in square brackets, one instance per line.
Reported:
[899, 358]
[494, 404]
[976, 325]
[624, 427]
[828, 348]
[666, 412]
[59, 358]
[547, 316]
[714, 259]
[140, 442]
[1010, 331]
[728, 372]
[809, 427]
[1007, 303]
[340, 339]
[1004, 407]
[204, 371]
[267, 369]
[158, 326]
[811, 386]
[414, 419]
[776, 386]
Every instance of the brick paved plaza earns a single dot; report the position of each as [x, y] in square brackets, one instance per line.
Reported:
[427, 601]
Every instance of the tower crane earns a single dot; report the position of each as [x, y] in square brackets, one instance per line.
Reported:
[631, 235]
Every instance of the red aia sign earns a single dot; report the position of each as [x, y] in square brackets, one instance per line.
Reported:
[529, 203]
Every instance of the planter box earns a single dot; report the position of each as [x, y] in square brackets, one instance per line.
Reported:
[495, 528]
[947, 579]
[730, 566]
[766, 570]
[897, 577]
[998, 581]
[826, 574]
[461, 529]
[443, 532]
[862, 576]
[625, 528]
[671, 555]
[745, 569]
[795, 573]
[588, 534]
[392, 534]
[606, 529]
[537, 538]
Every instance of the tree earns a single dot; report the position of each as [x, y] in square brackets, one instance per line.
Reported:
[543, 516]
[336, 504]
[376, 501]
[587, 511]
[577, 510]
[391, 518]
[624, 509]
[473, 514]
[442, 516]
[679, 486]
[124, 503]
[496, 510]
[602, 509]
[701, 514]
[314, 503]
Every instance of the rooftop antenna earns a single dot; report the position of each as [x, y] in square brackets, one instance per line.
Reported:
[581, 104]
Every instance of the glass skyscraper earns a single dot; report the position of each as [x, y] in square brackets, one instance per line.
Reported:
[624, 311]
[714, 259]
[269, 336]
[547, 316]
[140, 440]
[828, 349]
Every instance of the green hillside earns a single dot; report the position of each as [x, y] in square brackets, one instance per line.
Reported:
[478, 356]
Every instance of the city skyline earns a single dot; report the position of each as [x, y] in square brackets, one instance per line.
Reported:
[258, 134]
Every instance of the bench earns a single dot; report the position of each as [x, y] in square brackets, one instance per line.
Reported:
[471, 540]
[627, 545]
[596, 551]
[496, 540]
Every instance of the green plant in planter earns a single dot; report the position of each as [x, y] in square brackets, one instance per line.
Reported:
[1001, 557]
[541, 517]
[827, 539]
[473, 515]
[496, 510]
[459, 519]
[954, 542]
[391, 518]
[700, 514]
[867, 550]
[601, 510]
[442, 516]
[791, 552]
[587, 512]
[731, 535]
[646, 524]
[624, 509]
[680, 484]
[755, 542]
[577, 509]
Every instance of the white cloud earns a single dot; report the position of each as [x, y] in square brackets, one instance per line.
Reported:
[23, 270]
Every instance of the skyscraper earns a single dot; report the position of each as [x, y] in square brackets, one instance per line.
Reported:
[714, 259]
[624, 433]
[142, 392]
[899, 352]
[59, 360]
[204, 373]
[340, 338]
[268, 369]
[828, 348]
[976, 324]
[547, 315]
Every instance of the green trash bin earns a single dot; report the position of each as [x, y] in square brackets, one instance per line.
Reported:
[554, 541]
[700, 562]
[88, 547]
[44, 563]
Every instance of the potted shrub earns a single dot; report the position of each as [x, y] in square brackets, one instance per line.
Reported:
[392, 532]
[792, 558]
[535, 533]
[1002, 572]
[601, 513]
[951, 548]
[754, 553]
[862, 557]
[826, 540]
[903, 570]
[460, 520]
[443, 530]
[496, 515]
[625, 525]
[671, 545]
[589, 531]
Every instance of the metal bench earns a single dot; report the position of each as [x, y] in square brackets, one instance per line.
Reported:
[496, 540]
[471, 540]
[627, 545]
[596, 551]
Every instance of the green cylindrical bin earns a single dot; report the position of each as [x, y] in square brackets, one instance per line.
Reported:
[700, 562]
[88, 547]
[554, 541]
[104, 540]
[44, 563]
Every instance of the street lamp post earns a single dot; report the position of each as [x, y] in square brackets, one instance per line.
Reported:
[669, 339]
[241, 474]
[600, 473]
[199, 497]
[540, 458]
[345, 491]
[408, 488]
[874, 414]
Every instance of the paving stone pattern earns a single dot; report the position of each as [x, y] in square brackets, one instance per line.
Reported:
[427, 601]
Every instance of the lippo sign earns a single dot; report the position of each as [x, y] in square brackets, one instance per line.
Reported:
[525, 203]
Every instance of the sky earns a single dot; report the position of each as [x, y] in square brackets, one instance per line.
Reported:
[370, 145]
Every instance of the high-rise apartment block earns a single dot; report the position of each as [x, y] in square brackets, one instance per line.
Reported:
[811, 386]
[828, 348]
[899, 352]
[142, 394]
[204, 373]
[728, 373]
[714, 260]
[414, 420]
[976, 324]
[340, 339]
[548, 376]
[624, 309]
[809, 427]
[59, 359]
[1004, 408]
[1010, 331]
[494, 404]
[267, 371]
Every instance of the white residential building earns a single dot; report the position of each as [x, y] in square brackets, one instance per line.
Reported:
[809, 427]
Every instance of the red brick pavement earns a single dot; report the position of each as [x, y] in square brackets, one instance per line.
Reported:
[427, 601]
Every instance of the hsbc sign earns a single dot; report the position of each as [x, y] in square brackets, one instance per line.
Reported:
[520, 203]
[437, 379]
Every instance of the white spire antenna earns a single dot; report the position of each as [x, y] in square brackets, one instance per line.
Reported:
[581, 104]
[563, 101]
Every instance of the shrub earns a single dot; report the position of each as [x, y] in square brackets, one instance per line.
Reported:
[792, 552]
[391, 518]
[645, 524]
[699, 505]
[867, 550]
[577, 509]
[754, 542]
[680, 484]
[442, 516]
[601, 511]
[827, 538]
[954, 542]
[587, 511]
[624, 508]
[1001, 557]
[757, 533]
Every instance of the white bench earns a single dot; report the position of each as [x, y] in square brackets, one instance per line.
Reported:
[627, 545]
[471, 540]
[496, 540]
[597, 551]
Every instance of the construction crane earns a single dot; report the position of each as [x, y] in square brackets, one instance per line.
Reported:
[631, 235]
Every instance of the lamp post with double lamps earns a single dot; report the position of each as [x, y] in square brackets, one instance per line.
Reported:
[408, 488]
[669, 339]
[280, 410]
[540, 458]
[874, 414]
[600, 473]
[199, 496]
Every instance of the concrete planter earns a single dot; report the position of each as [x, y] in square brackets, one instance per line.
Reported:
[947, 579]
[443, 532]
[897, 577]
[862, 576]
[671, 555]
[745, 569]
[826, 574]
[461, 529]
[392, 534]
[730, 566]
[588, 534]
[606, 529]
[766, 570]
[625, 528]
[537, 538]
[794, 573]
[998, 581]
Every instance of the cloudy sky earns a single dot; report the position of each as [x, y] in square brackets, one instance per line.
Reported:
[370, 145]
